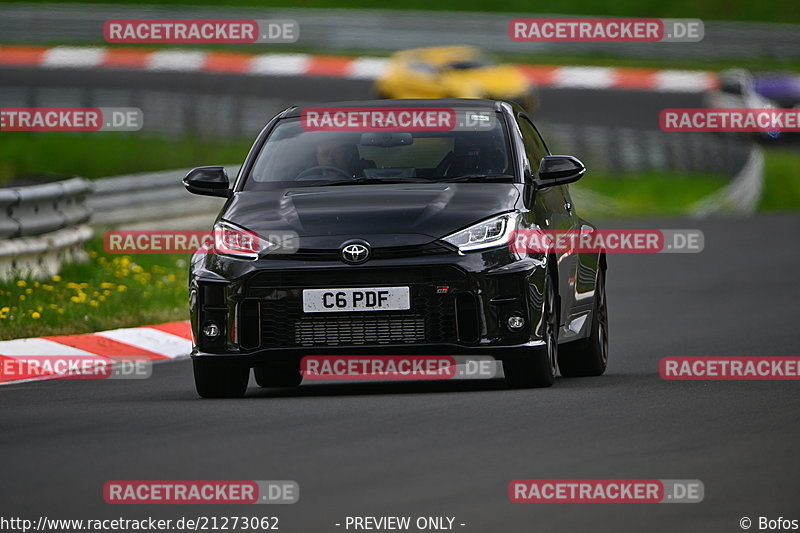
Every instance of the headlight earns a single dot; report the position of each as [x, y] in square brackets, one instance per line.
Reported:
[487, 234]
[234, 241]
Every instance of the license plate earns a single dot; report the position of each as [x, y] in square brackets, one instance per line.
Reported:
[356, 299]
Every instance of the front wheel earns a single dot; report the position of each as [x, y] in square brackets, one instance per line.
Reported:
[539, 368]
[220, 379]
[589, 356]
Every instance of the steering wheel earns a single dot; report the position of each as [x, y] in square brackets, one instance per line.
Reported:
[309, 170]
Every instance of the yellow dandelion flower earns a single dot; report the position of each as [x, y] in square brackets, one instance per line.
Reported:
[35, 315]
[21, 283]
[28, 291]
[122, 288]
[22, 297]
[56, 278]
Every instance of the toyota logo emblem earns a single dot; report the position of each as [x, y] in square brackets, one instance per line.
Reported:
[355, 253]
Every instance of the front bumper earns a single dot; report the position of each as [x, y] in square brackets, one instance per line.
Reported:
[460, 305]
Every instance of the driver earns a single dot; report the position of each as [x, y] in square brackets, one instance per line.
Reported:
[337, 153]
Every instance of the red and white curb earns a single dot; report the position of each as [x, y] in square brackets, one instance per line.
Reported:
[169, 341]
[367, 68]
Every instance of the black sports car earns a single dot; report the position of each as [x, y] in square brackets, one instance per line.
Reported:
[347, 238]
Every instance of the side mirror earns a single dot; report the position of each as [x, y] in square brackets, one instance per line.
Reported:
[208, 181]
[560, 170]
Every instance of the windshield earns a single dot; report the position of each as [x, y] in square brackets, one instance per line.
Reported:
[294, 156]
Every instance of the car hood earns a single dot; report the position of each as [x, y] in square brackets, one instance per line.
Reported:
[389, 215]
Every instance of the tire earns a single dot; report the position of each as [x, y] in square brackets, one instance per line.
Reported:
[220, 379]
[285, 375]
[589, 356]
[538, 369]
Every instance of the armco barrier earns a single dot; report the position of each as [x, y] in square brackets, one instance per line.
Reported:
[43, 255]
[42, 226]
[39, 209]
[150, 196]
[741, 195]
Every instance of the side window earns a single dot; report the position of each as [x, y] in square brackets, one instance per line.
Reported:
[535, 148]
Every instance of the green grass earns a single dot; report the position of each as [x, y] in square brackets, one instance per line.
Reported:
[109, 291]
[781, 180]
[91, 156]
[652, 193]
[776, 11]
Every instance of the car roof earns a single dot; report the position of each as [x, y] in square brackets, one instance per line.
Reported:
[439, 55]
[469, 103]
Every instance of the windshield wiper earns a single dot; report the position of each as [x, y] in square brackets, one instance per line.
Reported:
[479, 177]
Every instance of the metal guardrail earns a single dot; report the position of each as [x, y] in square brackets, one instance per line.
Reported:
[741, 195]
[151, 196]
[42, 226]
[38, 209]
[615, 150]
[386, 30]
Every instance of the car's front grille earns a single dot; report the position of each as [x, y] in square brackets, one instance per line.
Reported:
[431, 318]
[319, 331]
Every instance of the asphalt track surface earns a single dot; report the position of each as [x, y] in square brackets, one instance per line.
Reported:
[616, 108]
[451, 448]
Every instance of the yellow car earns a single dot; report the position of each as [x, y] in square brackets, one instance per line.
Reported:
[454, 72]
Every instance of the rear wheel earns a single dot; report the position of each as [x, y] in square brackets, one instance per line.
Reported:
[539, 368]
[281, 375]
[220, 379]
[589, 356]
